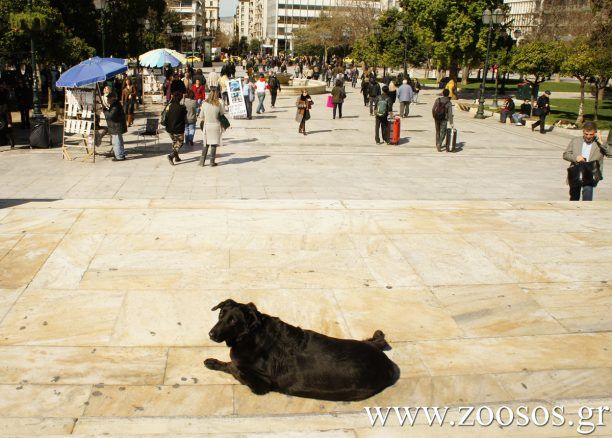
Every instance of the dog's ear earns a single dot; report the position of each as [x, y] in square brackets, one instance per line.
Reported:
[253, 316]
[224, 304]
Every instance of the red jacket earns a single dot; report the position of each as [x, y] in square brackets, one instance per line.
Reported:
[200, 93]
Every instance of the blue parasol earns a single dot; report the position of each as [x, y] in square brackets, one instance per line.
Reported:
[159, 57]
[91, 71]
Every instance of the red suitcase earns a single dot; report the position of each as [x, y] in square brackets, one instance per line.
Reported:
[395, 130]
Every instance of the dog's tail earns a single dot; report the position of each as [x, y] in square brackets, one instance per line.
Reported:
[378, 340]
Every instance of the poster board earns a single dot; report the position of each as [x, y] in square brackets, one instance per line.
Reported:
[153, 85]
[81, 107]
[237, 107]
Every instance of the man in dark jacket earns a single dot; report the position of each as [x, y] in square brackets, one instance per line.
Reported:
[117, 126]
[373, 93]
[542, 109]
[442, 112]
[176, 116]
[177, 85]
[275, 87]
[382, 111]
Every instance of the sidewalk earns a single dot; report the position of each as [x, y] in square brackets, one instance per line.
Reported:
[491, 288]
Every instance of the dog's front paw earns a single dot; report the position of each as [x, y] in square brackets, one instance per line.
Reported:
[214, 364]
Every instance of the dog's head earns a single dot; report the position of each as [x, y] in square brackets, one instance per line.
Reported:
[236, 320]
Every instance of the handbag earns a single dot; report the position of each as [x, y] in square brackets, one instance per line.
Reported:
[164, 116]
[537, 112]
[585, 173]
[330, 103]
[225, 124]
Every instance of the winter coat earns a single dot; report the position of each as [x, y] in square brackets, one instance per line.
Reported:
[338, 94]
[302, 113]
[191, 106]
[176, 117]
[115, 119]
[209, 122]
[405, 93]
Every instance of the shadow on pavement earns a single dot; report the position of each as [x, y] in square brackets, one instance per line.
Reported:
[7, 203]
[243, 160]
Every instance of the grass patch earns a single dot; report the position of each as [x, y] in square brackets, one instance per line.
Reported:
[511, 86]
[568, 109]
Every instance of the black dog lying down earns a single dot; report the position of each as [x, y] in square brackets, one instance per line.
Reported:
[270, 355]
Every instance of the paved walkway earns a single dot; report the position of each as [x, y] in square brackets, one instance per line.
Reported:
[491, 288]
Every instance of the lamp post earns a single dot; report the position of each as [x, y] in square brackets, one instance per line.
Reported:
[489, 19]
[101, 6]
[400, 28]
[377, 34]
[36, 112]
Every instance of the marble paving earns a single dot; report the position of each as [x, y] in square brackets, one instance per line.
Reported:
[105, 310]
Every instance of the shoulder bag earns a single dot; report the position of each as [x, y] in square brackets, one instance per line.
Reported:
[225, 124]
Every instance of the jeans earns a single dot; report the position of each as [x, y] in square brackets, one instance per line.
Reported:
[190, 129]
[118, 146]
[261, 97]
[404, 108]
[249, 105]
[339, 106]
[587, 193]
[519, 118]
[503, 115]
[440, 132]
[381, 122]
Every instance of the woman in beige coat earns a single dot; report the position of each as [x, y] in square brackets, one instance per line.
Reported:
[210, 125]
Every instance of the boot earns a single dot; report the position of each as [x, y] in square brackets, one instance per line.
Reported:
[177, 159]
[213, 155]
[171, 158]
[202, 161]
[130, 120]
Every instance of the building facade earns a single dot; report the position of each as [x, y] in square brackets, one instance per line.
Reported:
[191, 13]
[211, 16]
[282, 17]
[523, 16]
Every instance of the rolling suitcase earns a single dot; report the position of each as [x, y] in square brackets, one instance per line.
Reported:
[451, 139]
[395, 130]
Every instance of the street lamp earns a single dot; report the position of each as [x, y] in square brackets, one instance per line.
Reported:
[400, 28]
[101, 6]
[490, 19]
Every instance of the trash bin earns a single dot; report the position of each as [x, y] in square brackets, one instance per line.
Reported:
[525, 91]
[40, 135]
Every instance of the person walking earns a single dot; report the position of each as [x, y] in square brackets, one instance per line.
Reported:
[416, 88]
[117, 125]
[260, 87]
[405, 95]
[198, 92]
[128, 100]
[176, 118]
[223, 88]
[373, 94]
[383, 110]
[191, 105]
[303, 103]
[338, 96]
[542, 109]
[211, 127]
[442, 112]
[587, 149]
[451, 86]
[275, 88]
[248, 93]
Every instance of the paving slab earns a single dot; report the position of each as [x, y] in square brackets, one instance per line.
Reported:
[492, 289]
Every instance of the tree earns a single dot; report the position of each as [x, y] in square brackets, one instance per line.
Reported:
[221, 39]
[579, 63]
[255, 45]
[451, 32]
[537, 59]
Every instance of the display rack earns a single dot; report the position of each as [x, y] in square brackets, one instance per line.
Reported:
[81, 106]
[153, 85]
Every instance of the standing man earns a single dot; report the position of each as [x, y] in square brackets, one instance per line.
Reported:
[383, 109]
[405, 95]
[176, 118]
[542, 110]
[275, 87]
[587, 149]
[213, 80]
[117, 125]
[442, 112]
[249, 96]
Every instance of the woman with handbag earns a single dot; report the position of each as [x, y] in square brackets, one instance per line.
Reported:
[586, 155]
[303, 103]
[210, 123]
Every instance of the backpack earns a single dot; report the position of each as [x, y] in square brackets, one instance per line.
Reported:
[439, 110]
[374, 90]
[382, 107]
